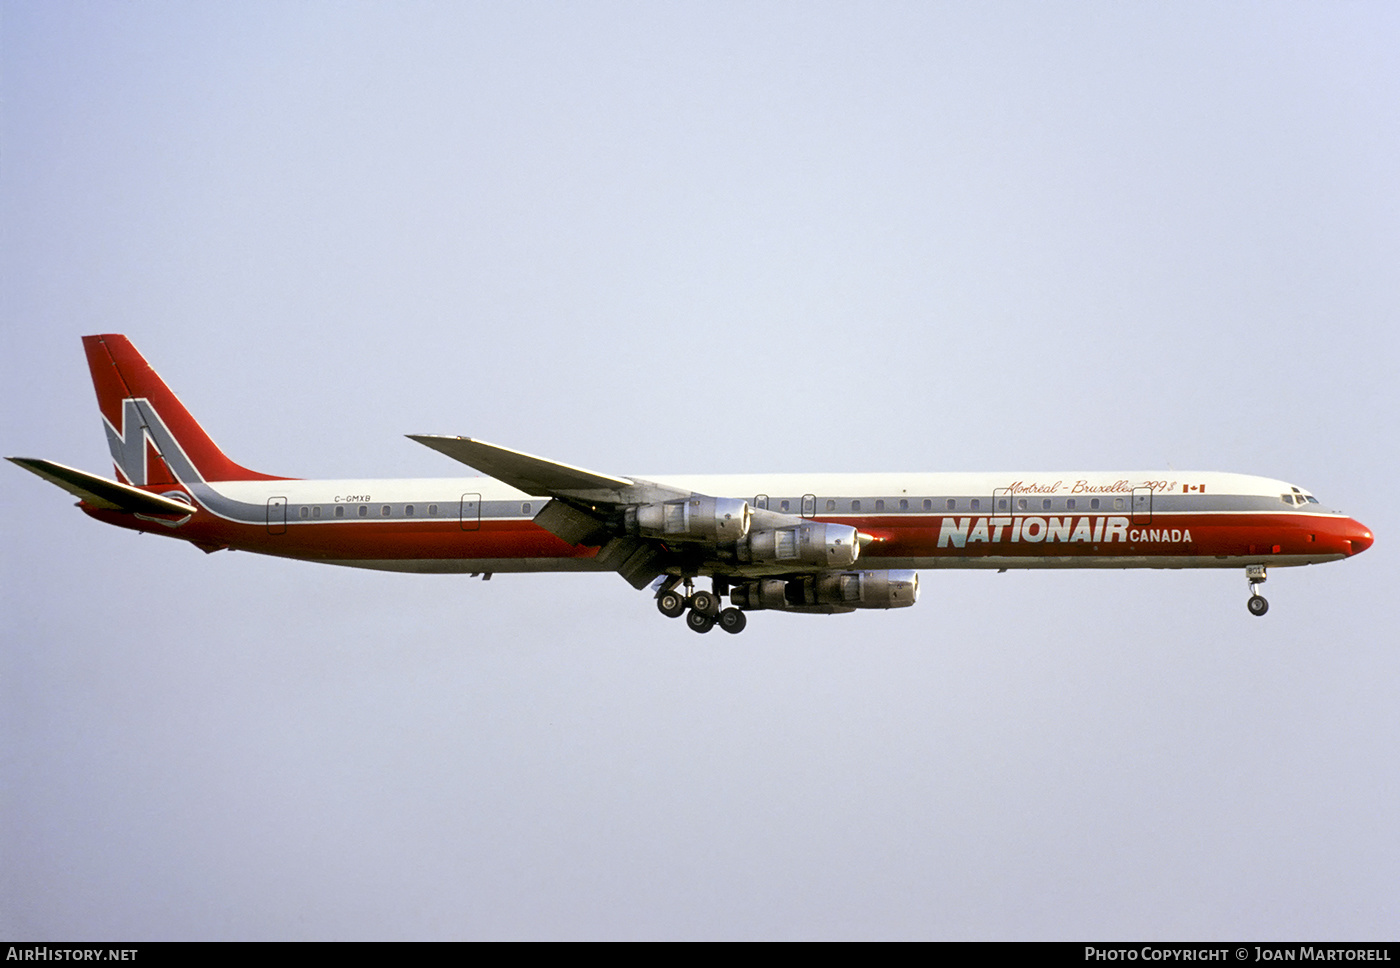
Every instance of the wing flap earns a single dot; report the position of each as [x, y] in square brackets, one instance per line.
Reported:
[525, 472]
[99, 491]
[570, 524]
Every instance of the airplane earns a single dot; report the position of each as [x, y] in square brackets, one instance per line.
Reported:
[804, 543]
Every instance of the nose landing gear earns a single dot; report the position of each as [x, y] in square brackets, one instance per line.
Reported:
[1257, 575]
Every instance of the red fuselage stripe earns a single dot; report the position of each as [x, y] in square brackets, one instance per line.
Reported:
[937, 538]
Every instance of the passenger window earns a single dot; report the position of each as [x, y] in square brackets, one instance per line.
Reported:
[384, 511]
[1093, 504]
[879, 505]
[976, 504]
[408, 510]
[364, 510]
[1045, 504]
[784, 505]
[1070, 504]
[761, 501]
[340, 510]
[316, 511]
[1117, 504]
[1020, 504]
[855, 505]
[903, 504]
[831, 505]
[306, 512]
[525, 508]
[432, 510]
[928, 505]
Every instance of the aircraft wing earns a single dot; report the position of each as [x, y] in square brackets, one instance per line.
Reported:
[643, 529]
[587, 507]
[525, 472]
[99, 491]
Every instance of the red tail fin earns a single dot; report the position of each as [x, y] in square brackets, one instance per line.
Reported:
[153, 438]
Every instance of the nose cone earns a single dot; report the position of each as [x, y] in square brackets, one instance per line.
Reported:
[1358, 536]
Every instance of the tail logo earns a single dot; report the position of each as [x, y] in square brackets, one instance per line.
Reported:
[142, 440]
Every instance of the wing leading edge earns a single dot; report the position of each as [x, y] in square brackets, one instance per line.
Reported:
[525, 472]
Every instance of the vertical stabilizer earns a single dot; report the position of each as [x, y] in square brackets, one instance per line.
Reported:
[153, 438]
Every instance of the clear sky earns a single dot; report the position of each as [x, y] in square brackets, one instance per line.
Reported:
[652, 238]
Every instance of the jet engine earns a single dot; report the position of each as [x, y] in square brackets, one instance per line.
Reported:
[829, 591]
[823, 545]
[713, 520]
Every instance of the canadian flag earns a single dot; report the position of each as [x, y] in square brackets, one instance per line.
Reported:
[1198, 488]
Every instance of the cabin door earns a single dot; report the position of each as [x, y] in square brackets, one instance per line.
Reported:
[1001, 502]
[277, 515]
[1142, 505]
[471, 512]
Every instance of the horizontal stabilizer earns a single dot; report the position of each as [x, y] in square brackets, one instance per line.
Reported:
[100, 492]
[525, 472]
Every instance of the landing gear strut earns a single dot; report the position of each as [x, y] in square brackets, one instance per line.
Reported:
[1257, 575]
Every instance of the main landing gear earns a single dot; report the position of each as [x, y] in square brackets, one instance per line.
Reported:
[704, 611]
[1257, 575]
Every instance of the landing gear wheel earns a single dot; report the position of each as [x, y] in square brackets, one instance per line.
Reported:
[1257, 575]
[705, 602]
[733, 621]
[670, 604]
[699, 621]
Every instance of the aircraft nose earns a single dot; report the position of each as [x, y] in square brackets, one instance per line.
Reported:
[1358, 536]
